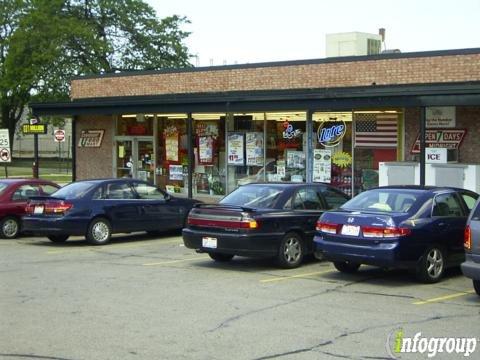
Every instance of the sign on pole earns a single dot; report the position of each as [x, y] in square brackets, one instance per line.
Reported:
[59, 135]
[5, 154]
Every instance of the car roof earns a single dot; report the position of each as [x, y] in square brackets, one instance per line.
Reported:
[24, 181]
[423, 188]
[283, 184]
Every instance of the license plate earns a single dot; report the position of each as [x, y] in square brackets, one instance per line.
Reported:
[38, 209]
[351, 230]
[209, 242]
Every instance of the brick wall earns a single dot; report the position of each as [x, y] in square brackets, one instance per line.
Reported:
[95, 162]
[467, 117]
[432, 69]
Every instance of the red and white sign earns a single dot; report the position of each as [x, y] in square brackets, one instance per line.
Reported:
[59, 135]
[440, 138]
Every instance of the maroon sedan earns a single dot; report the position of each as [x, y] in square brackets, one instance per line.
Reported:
[14, 194]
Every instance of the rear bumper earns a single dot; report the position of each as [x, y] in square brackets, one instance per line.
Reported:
[54, 225]
[471, 266]
[243, 244]
[384, 254]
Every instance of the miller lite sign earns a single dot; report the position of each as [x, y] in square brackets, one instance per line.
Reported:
[330, 133]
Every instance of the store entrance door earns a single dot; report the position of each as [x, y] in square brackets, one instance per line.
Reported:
[135, 158]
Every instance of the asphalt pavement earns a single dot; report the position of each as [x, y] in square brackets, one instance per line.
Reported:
[146, 297]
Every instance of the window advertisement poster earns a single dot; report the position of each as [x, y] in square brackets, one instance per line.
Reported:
[254, 148]
[295, 159]
[176, 172]
[235, 149]
[322, 165]
[205, 149]
[171, 143]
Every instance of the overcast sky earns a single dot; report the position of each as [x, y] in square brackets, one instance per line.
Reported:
[249, 31]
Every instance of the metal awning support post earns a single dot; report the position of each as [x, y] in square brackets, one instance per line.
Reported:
[422, 145]
[191, 155]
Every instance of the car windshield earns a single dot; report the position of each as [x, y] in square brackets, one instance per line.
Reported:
[383, 200]
[74, 190]
[257, 196]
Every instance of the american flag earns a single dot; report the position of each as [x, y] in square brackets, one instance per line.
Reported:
[376, 130]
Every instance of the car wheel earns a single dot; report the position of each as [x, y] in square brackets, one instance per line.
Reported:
[9, 227]
[220, 257]
[291, 251]
[99, 232]
[346, 266]
[476, 286]
[431, 266]
[58, 238]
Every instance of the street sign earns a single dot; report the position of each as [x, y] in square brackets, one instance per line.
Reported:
[5, 155]
[34, 129]
[59, 135]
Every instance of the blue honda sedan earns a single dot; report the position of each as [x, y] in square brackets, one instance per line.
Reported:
[419, 228]
[98, 208]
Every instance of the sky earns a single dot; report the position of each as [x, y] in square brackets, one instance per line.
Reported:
[250, 31]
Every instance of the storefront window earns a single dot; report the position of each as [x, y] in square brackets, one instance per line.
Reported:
[172, 153]
[209, 176]
[265, 147]
[287, 144]
[332, 151]
[377, 139]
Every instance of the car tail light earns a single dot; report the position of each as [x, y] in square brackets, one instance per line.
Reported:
[245, 223]
[467, 238]
[57, 207]
[381, 232]
[328, 228]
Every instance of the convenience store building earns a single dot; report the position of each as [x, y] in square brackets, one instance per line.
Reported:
[201, 132]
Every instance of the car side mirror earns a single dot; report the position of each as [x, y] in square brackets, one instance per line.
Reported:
[167, 197]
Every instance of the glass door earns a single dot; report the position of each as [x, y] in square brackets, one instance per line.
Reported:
[124, 158]
[135, 158]
[145, 164]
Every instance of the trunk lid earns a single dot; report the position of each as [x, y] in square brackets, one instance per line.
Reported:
[362, 227]
[225, 218]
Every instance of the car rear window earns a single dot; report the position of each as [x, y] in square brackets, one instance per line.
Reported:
[256, 196]
[383, 200]
[3, 186]
[74, 190]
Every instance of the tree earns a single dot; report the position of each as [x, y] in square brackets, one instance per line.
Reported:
[43, 43]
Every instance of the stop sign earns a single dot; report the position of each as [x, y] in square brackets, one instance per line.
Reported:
[59, 135]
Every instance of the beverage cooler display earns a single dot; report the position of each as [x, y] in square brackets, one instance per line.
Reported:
[342, 179]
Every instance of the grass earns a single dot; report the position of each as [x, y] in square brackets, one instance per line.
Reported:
[50, 169]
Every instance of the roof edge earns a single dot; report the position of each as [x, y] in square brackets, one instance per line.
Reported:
[434, 53]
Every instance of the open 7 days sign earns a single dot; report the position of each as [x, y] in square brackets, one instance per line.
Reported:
[5, 155]
[440, 138]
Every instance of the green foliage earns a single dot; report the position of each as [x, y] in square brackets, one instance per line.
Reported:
[44, 43]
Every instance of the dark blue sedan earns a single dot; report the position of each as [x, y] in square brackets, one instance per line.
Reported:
[98, 208]
[412, 227]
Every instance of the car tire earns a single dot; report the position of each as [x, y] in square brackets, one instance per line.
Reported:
[9, 227]
[346, 267]
[431, 266]
[220, 257]
[58, 238]
[476, 286]
[291, 251]
[99, 231]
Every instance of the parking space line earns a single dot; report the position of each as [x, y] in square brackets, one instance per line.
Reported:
[175, 261]
[441, 298]
[306, 275]
[109, 247]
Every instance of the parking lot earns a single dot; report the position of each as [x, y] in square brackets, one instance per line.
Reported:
[151, 298]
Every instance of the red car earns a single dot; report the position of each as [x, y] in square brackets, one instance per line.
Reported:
[14, 194]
